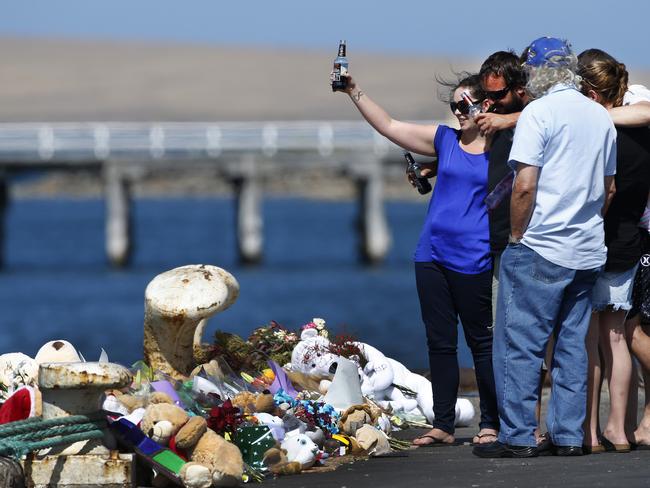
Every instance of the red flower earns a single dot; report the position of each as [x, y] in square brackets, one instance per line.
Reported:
[225, 418]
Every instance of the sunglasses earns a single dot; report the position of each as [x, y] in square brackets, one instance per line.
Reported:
[462, 106]
[497, 95]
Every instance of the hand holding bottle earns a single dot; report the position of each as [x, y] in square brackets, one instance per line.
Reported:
[338, 77]
[416, 174]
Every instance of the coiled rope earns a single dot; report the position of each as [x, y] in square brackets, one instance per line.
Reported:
[24, 436]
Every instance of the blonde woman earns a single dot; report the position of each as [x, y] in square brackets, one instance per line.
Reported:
[605, 80]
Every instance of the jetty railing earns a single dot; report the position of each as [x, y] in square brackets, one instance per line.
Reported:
[243, 152]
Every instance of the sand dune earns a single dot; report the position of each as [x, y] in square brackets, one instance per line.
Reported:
[79, 80]
[67, 80]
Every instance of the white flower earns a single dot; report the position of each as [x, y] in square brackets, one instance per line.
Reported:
[320, 323]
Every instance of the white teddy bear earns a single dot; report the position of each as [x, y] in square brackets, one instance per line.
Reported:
[300, 448]
[380, 377]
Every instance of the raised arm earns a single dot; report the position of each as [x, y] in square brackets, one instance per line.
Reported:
[413, 137]
[635, 115]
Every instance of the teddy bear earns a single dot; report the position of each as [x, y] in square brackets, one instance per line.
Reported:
[278, 463]
[383, 379]
[251, 403]
[300, 448]
[213, 461]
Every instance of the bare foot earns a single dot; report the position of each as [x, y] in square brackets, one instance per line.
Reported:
[485, 436]
[434, 436]
[642, 435]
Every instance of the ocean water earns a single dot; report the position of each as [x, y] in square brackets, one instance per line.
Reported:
[56, 283]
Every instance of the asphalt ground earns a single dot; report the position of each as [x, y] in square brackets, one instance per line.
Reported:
[456, 466]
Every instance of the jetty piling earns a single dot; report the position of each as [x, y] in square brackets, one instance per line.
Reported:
[245, 153]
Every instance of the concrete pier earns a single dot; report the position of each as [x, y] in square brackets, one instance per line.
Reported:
[118, 215]
[374, 235]
[248, 218]
[244, 153]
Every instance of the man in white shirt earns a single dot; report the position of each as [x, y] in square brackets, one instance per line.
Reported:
[564, 154]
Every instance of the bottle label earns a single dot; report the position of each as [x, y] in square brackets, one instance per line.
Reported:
[340, 69]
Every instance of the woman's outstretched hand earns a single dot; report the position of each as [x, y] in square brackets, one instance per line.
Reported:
[351, 84]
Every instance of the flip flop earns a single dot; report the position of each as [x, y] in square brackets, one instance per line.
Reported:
[639, 447]
[611, 447]
[597, 449]
[434, 442]
[483, 436]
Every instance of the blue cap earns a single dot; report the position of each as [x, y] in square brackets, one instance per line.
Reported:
[542, 52]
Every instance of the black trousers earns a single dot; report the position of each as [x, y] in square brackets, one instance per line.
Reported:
[445, 296]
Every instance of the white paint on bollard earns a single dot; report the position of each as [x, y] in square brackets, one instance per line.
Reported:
[175, 303]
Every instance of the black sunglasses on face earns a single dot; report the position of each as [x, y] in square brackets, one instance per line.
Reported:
[462, 106]
[497, 95]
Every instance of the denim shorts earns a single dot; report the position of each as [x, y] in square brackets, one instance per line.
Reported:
[614, 288]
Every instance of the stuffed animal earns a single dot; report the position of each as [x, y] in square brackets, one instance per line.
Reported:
[383, 379]
[356, 417]
[278, 463]
[372, 440]
[251, 403]
[300, 448]
[213, 461]
[16, 370]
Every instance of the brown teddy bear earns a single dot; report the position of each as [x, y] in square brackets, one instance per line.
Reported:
[278, 463]
[250, 403]
[213, 461]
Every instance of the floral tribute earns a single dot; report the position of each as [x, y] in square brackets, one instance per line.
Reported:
[225, 419]
[272, 341]
[317, 414]
[342, 344]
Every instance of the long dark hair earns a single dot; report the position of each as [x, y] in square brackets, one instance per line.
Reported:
[464, 79]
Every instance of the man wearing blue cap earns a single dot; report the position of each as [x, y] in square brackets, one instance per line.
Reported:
[564, 155]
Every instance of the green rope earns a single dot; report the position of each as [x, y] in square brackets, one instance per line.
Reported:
[24, 436]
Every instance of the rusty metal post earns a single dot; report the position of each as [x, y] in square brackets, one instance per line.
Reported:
[176, 304]
[11, 473]
[78, 389]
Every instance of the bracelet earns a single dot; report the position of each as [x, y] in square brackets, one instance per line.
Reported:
[513, 240]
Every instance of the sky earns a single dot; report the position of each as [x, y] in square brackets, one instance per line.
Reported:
[411, 27]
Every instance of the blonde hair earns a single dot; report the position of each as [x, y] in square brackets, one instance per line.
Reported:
[563, 70]
[603, 74]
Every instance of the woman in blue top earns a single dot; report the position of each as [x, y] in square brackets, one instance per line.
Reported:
[452, 259]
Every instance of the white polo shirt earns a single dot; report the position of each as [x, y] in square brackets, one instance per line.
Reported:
[573, 141]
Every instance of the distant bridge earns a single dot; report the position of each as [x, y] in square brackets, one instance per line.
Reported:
[243, 152]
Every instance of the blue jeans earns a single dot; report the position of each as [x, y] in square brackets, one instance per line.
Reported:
[536, 299]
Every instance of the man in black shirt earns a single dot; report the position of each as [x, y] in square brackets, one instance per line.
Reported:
[504, 81]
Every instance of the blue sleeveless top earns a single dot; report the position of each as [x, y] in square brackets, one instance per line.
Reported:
[456, 233]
